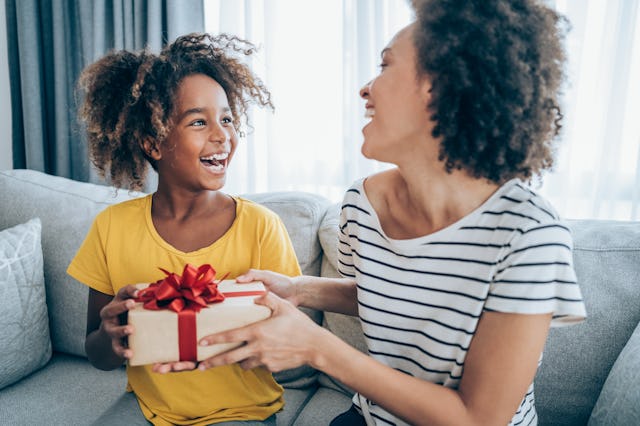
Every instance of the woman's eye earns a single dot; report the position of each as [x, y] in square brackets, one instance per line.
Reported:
[382, 65]
[198, 123]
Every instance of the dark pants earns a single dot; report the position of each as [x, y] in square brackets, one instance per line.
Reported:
[349, 418]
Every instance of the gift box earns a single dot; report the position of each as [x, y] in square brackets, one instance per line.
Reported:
[173, 314]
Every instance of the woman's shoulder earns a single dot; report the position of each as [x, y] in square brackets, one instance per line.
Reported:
[520, 207]
[372, 187]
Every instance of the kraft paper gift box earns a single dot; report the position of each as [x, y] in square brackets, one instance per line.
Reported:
[163, 335]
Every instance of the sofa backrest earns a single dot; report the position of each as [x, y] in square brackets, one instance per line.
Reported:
[577, 359]
[67, 209]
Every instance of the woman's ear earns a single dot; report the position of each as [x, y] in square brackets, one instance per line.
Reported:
[425, 89]
[150, 148]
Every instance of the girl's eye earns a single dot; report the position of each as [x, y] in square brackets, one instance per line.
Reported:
[198, 123]
[382, 65]
[227, 120]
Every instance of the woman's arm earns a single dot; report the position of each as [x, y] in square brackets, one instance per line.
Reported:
[324, 294]
[499, 367]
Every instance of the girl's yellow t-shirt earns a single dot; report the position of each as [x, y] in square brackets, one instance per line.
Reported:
[123, 247]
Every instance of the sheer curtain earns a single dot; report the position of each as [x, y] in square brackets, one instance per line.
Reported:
[598, 171]
[314, 57]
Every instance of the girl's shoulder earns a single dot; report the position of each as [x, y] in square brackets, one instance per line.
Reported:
[133, 209]
[250, 209]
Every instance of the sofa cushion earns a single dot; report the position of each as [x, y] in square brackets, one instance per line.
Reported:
[619, 401]
[577, 359]
[301, 214]
[66, 209]
[24, 325]
[325, 405]
[68, 391]
[346, 327]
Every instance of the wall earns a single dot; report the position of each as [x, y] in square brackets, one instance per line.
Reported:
[6, 160]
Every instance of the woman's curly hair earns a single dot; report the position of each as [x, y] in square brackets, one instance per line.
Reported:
[496, 69]
[130, 97]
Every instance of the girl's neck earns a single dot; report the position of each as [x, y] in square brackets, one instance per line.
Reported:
[182, 204]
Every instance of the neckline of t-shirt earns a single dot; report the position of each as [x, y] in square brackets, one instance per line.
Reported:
[438, 235]
[164, 244]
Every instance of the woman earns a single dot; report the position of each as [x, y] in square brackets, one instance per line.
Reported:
[454, 266]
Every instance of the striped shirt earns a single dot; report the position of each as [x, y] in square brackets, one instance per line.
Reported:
[419, 300]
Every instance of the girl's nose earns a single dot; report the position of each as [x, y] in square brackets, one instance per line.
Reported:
[364, 92]
[218, 134]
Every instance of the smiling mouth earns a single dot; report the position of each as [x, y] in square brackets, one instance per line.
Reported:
[216, 162]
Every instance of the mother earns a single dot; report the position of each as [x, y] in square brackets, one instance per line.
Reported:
[454, 265]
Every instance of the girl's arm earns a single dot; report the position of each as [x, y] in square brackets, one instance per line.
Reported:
[499, 367]
[324, 294]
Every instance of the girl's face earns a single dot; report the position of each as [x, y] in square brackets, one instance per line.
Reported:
[396, 103]
[202, 141]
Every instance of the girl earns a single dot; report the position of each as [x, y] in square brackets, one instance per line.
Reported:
[454, 266]
[180, 112]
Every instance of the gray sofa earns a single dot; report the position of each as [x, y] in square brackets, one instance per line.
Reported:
[590, 373]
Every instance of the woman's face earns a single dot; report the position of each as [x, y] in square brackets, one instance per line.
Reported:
[202, 140]
[396, 103]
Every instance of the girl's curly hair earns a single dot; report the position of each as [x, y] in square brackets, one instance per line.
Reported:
[496, 69]
[130, 97]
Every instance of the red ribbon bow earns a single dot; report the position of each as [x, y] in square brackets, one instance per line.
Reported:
[191, 291]
[185, 294]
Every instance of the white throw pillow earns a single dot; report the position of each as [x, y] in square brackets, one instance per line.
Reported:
[25, 344]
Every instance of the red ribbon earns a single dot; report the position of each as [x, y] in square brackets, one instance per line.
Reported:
[186, 295]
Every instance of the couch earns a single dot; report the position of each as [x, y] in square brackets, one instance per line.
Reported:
[590, 373]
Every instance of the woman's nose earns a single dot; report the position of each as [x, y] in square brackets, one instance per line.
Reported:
[364, 92]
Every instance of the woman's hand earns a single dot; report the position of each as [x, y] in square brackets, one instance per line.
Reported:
[285, 340]
[282, 285]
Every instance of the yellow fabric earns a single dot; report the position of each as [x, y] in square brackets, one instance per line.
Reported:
[123, 247]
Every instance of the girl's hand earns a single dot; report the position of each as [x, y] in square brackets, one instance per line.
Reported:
[286, 340]
[280, 284]
[113, 320]
[174, 366]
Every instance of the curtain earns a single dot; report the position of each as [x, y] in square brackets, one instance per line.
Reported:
[50, 42]
[314, 56]
[598, 170]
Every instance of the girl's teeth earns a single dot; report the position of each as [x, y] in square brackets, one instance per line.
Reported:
[218, 157]
[369, 112]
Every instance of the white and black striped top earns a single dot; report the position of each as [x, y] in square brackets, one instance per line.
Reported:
[420, 299]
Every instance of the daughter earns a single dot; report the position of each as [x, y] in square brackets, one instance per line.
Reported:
[180, 112]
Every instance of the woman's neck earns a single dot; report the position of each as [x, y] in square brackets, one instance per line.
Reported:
[414, 203]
